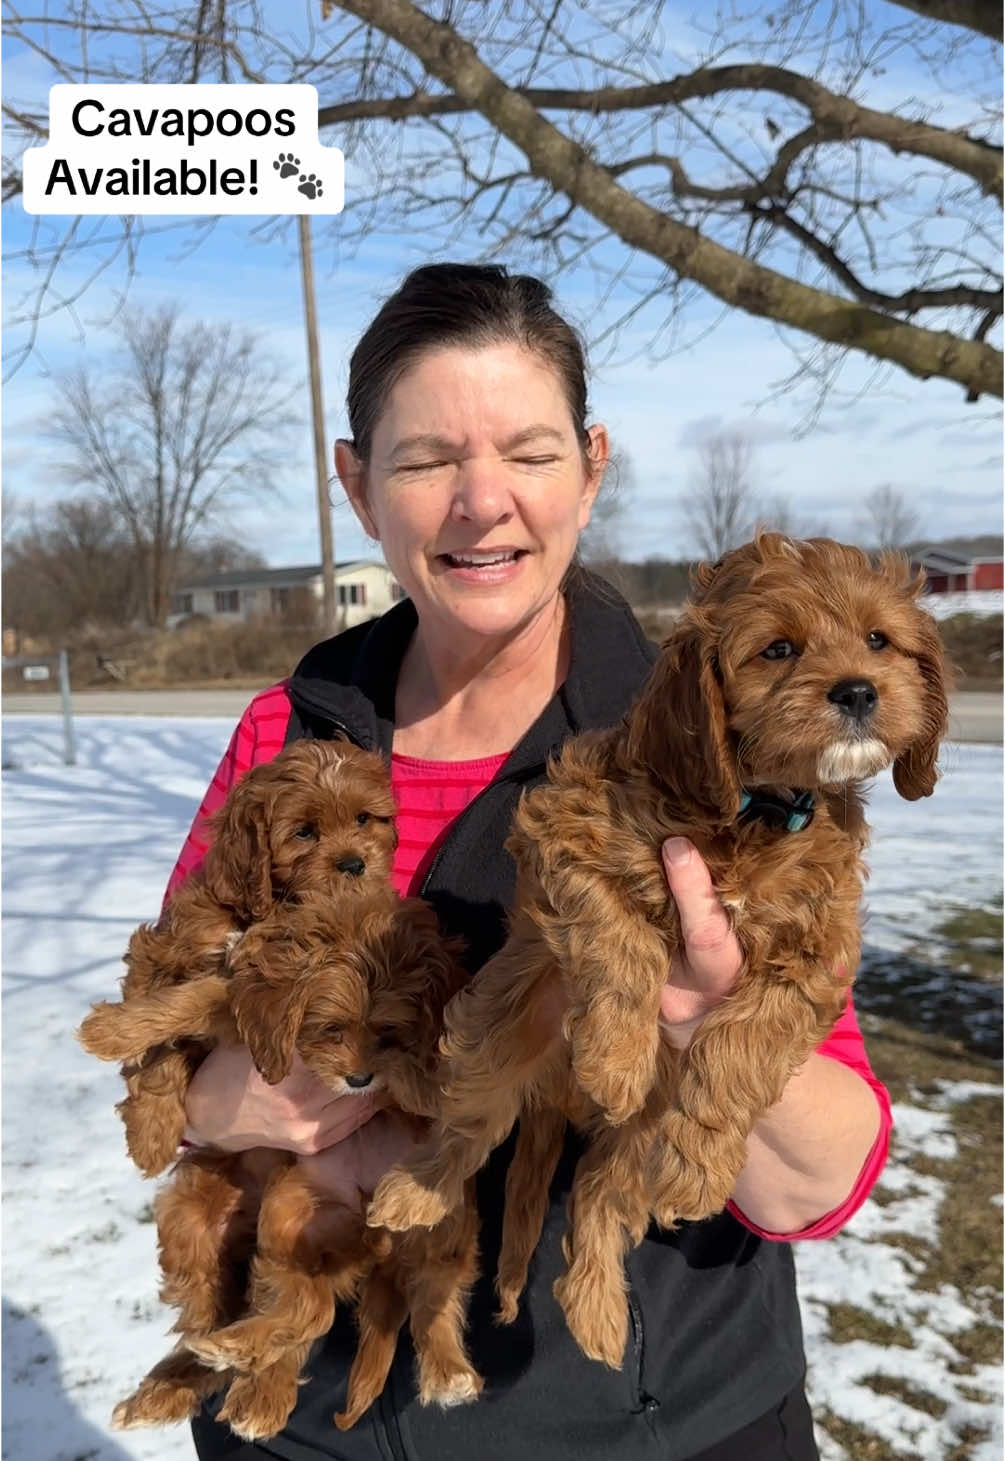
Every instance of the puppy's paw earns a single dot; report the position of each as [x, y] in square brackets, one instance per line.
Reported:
[107, 1033]
[256, 1410]
[172, 1392]
[509, 1306]
[249, 1345]
[448, 1388]
[597, 1318]
[153, 1150]
[401, 1202]
[616, 1067]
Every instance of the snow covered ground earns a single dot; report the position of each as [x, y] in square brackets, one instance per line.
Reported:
[87, 851]
[983, 602]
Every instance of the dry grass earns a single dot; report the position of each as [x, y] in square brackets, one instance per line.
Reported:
[263, 650]
[974, 645]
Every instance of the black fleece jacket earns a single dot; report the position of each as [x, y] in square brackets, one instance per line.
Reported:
[716, 1339]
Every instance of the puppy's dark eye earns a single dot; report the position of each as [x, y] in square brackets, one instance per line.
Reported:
[306, 832]
[335, 1034]
[779, 649]
[363, 818]
[875, 640]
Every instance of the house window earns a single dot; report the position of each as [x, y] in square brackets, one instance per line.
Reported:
[226, 601]
[183, 603]
[352, 593]
[280, 600]
[397, 593]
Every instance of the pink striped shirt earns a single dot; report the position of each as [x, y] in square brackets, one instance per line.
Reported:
[430, 795]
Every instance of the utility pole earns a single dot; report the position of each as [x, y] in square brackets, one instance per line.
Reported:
[317, 414]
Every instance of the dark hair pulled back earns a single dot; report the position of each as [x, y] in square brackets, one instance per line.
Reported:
[472, 305]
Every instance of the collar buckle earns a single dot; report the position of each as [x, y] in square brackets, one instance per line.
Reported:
[776, 813]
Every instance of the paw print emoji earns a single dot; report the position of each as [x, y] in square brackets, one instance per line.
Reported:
[310, 185]
[286, 164]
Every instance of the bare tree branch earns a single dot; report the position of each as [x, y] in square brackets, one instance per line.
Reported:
[837, 117]
[983, 16]
[760, 175]
[736, 280]
[908, 302]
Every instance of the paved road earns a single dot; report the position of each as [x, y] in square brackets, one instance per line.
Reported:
[974, 716]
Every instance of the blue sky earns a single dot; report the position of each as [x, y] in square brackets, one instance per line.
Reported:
[944, 455]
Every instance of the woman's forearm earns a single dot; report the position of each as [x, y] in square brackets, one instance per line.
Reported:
[804, 1156]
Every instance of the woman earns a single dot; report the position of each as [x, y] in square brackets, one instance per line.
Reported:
[472, 465]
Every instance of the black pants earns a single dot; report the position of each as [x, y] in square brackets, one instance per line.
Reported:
[783, 1434]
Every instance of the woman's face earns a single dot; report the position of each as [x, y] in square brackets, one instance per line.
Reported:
[476, 487]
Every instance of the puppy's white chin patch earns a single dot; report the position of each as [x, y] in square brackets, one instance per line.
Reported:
[851, 761]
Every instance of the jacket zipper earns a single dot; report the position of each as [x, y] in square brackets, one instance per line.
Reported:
[387, 1409]
[645, 1404]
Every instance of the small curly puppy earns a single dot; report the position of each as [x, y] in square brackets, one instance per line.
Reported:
[798, 670]
[359, 994]
[318, 818]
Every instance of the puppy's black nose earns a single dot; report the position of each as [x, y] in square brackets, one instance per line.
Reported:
[353, 866]
[856, 698]
[358, 1082]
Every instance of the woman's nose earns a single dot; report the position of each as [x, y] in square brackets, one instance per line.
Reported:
[482, 494]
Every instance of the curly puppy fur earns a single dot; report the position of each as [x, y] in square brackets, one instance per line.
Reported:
[316, 819]
[358, 992]
[797, 665]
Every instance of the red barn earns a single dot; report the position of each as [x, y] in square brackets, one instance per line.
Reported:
[950, 572]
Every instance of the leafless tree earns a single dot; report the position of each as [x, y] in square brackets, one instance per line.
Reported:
[217, 553]
[779, 515]
[67, 570]
[190, 417]
[719, 502]
[602, 542]
[788, 161]
[888, 520]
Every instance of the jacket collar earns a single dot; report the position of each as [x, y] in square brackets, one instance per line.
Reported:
[610, 659]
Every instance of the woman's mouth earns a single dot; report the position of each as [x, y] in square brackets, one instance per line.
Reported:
[483, 558]
[483, 565]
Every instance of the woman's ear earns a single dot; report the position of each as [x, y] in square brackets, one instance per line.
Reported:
[598, 454]
[353, 478]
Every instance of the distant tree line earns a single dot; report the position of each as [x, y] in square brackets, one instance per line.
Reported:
[75, 570]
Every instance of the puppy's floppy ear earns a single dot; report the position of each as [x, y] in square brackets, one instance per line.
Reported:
[677, 730]
[238, 868]
[914, 772]
[268, 1012]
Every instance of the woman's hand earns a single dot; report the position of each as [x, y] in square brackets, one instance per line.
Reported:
[707, 970]
[230, 1106]
[351, 1170]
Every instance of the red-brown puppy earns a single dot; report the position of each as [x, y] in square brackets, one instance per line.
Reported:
[798, 670]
